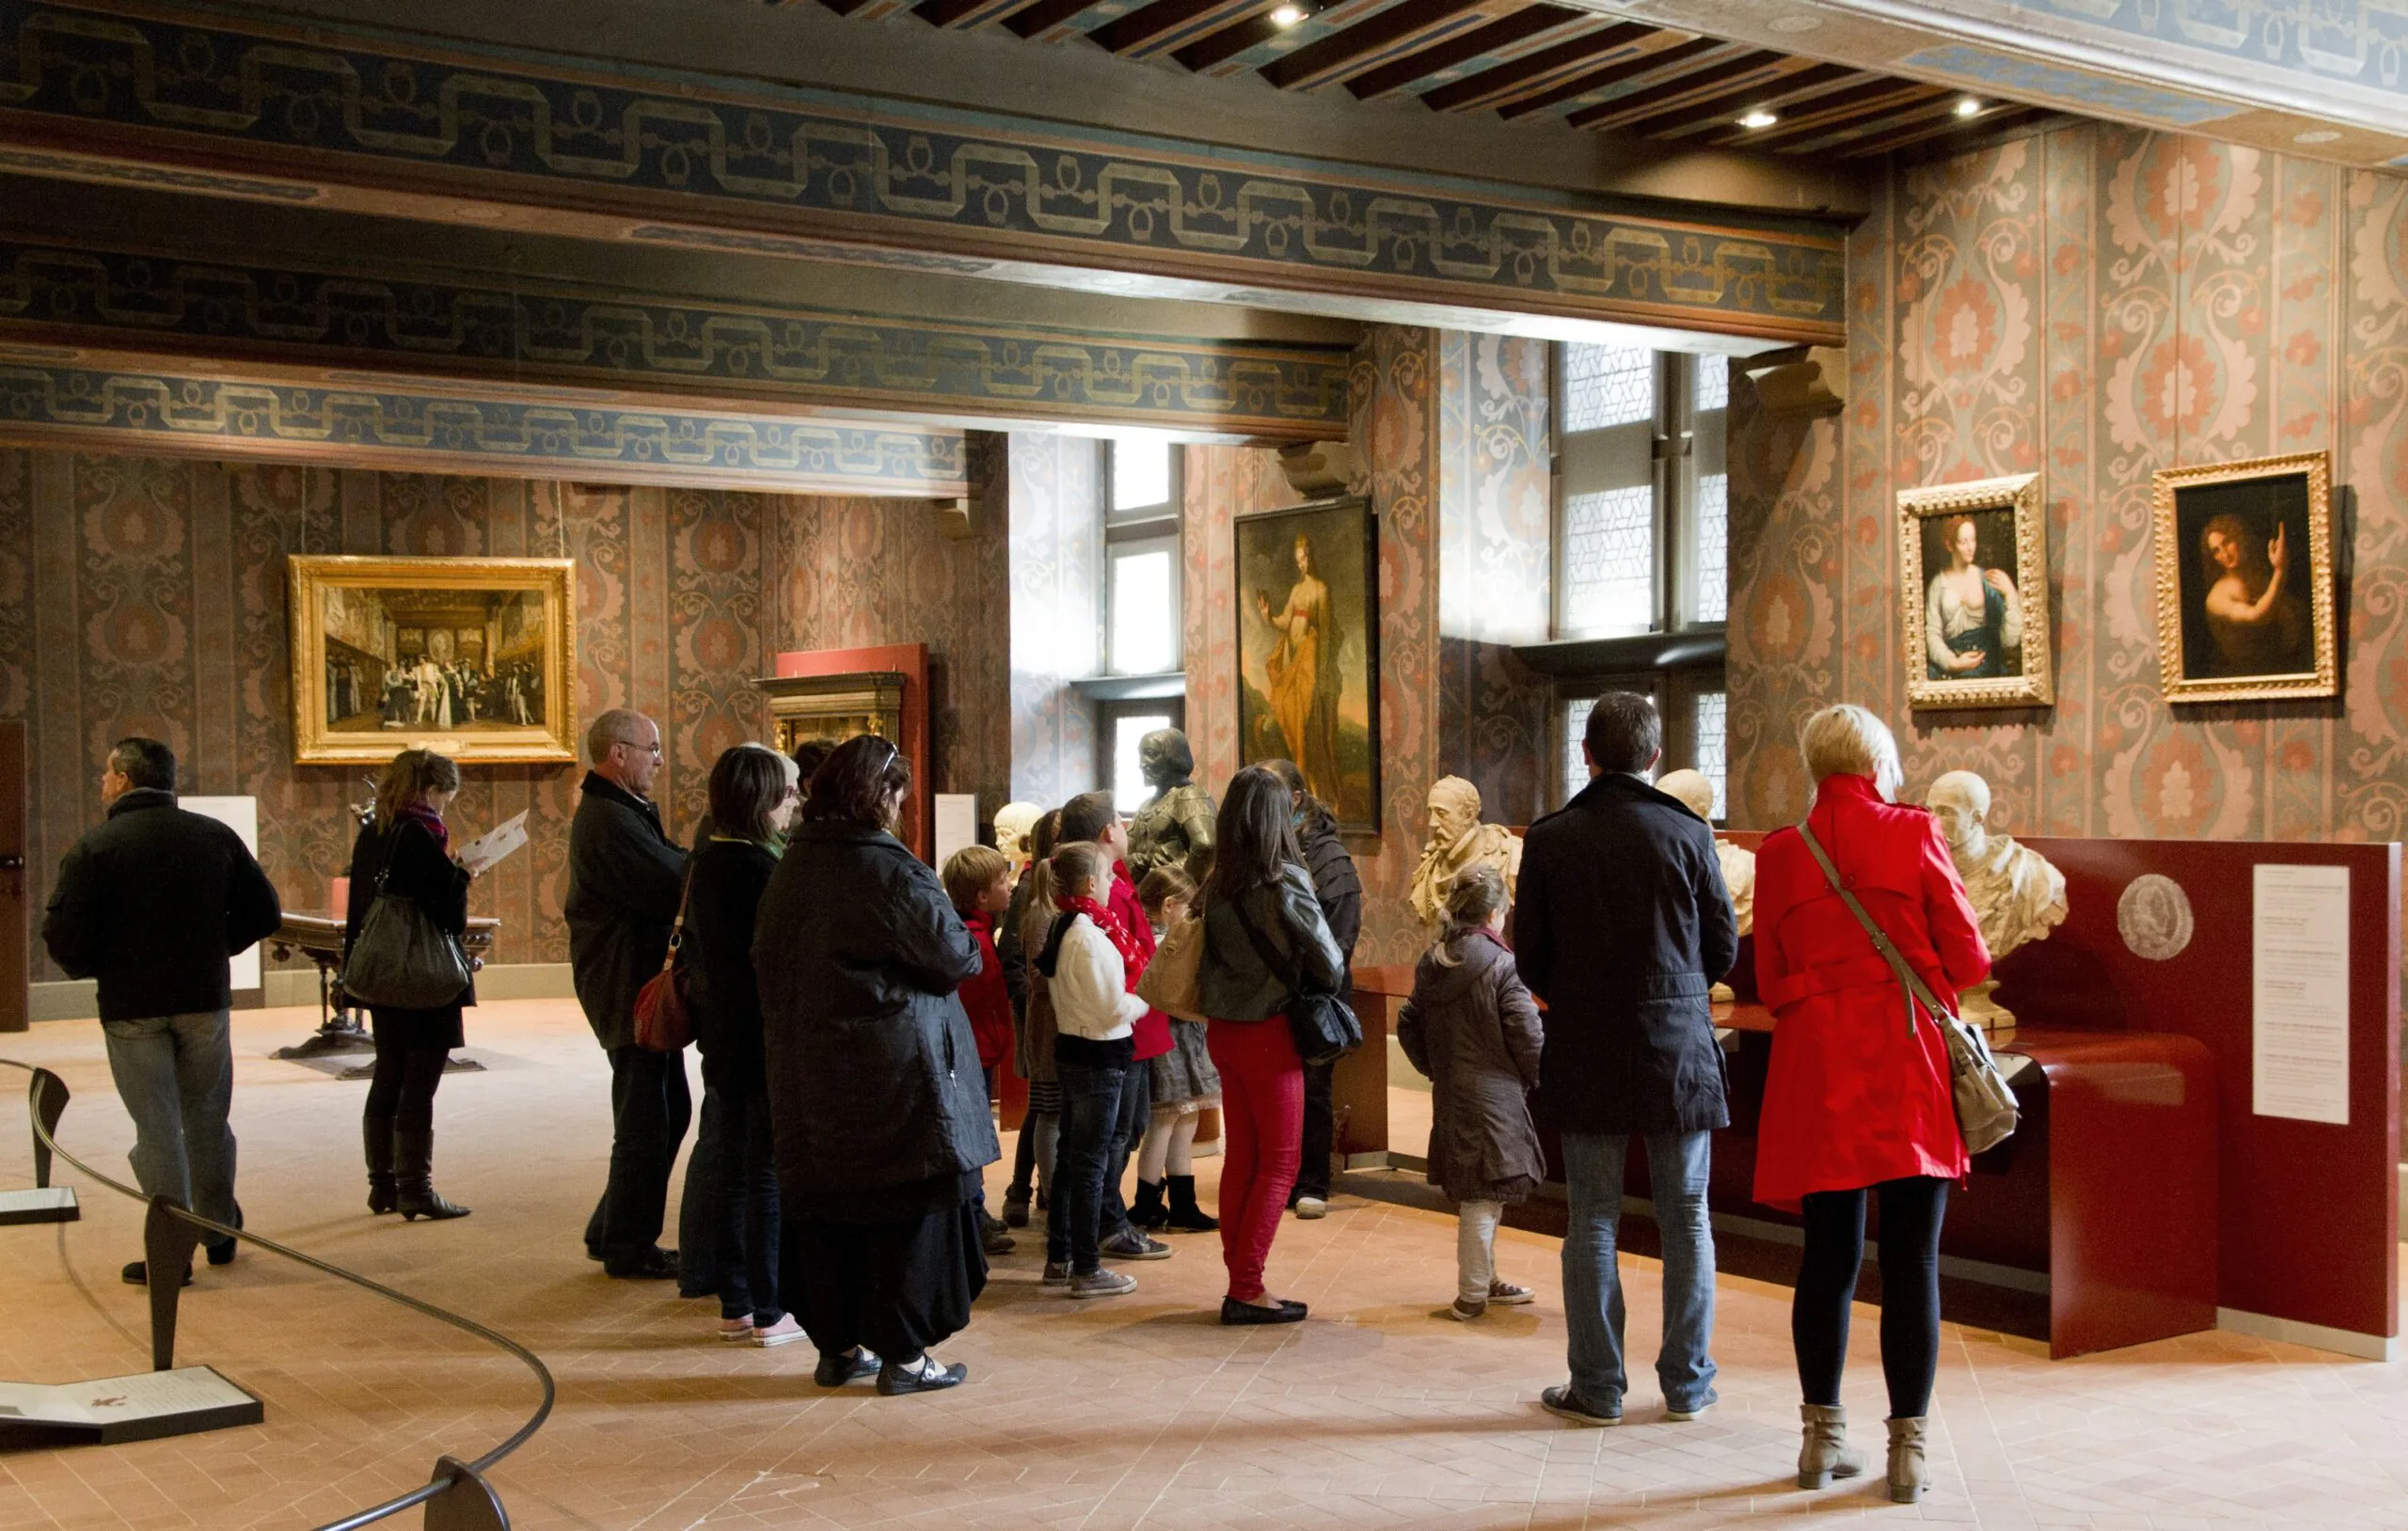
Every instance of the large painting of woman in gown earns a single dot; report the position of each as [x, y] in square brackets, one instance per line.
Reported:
[1308, 584]
[2245, 580]
[1974, 593]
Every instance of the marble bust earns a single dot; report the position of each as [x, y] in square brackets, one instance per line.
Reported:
[2016, 895]
[1738, 863]
[1457, 840]
[1014, 823]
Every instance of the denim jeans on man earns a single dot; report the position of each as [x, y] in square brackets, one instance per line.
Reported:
[1090, 1118]
[176, 1075]
[1677, 1166]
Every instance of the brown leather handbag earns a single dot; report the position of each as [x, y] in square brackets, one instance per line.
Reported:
[663, 1022]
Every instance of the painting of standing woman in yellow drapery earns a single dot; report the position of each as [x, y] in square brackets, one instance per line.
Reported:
[1308, 584]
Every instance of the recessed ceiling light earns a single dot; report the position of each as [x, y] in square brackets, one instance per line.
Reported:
[1758, 119]
[1969, 107]
[1795, 23]
[2319, 136]
[1287, 15]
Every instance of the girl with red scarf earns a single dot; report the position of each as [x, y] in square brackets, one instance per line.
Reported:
[1090, 961]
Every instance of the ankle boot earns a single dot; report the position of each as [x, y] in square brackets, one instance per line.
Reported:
[1909, 1474]
[1148, 1211]
[413, 1166]
[377, 1139]
[1185, 1216]
[1824, 1454]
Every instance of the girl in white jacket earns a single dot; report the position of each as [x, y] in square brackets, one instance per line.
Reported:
[1088, 962]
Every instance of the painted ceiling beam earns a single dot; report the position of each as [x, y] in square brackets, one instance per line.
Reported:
[1169, 25]
[359, 120]
[1644, 72]
[1257, 40]
[1382, 39]
[1050, 20]
[435, 322]
[962, 15]
[2320, 79]
[1533, 74]
[1793, 80]
[1500, 41]
[1944, 124]
[1836, 109]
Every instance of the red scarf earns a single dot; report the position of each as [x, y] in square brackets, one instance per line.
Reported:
[428, 819]
[1132, 957]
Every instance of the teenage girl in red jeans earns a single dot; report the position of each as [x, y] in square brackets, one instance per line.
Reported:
[1259, 885]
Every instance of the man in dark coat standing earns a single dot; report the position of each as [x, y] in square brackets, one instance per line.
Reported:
[1338, 889]
[152, 903]
[625, 877]
[1622, 926]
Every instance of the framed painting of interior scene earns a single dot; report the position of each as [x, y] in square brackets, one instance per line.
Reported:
[476, 657]
[1308, 664]
[2244, 580]
[1974, 593]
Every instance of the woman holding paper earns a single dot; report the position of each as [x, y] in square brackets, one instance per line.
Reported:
[407, 847]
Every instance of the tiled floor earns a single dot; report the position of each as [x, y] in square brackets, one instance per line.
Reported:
[1139, 1412]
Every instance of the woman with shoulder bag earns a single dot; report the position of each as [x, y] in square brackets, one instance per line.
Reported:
[409, 847]
[1858, 1099]
[1259, 897]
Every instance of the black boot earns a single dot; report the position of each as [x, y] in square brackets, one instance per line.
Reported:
[1185, 1216]
[413, 1165]
[1149, 1212]
[377, 1138]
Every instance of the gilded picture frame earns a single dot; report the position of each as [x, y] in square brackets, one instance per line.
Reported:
[2240, 615]
[1307, 581]
[473, 658]
[1973, 594]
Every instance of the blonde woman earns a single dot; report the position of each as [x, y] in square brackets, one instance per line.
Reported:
[408, 845]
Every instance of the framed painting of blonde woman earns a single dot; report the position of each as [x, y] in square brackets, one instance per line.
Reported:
[2244, 580]
[1308, 624]
[1975, 595]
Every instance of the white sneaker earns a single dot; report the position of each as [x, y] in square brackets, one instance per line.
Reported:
[1310, 1207]
[785, 1332]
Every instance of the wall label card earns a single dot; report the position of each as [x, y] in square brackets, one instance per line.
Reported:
[957, 823]
[2300, 993]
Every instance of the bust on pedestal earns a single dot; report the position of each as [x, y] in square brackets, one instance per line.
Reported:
[1457, 840]
[1738, 862]
[2016, 895]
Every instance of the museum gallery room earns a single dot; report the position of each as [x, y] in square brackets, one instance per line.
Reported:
[1085, 700]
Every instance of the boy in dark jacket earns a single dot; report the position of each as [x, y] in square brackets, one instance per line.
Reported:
[152, 903]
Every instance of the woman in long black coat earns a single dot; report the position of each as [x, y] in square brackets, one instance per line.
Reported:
[408, 845]
[878, 1104]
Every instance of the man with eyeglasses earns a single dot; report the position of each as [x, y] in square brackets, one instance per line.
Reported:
[625, 878]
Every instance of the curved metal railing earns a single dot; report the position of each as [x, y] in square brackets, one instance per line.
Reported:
[46, 1097]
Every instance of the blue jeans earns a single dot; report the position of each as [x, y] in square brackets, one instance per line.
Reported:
[176, 1075]
[1677, 1164]
[1091, 1121]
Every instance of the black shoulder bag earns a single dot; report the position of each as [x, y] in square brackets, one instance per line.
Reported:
[1324, 1027]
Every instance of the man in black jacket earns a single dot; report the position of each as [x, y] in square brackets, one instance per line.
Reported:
[1339, 892]
[152, 903]
[1622, 927]
[625, 878]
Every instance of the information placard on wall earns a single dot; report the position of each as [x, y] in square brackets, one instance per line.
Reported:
[957, 823]
[2300, 993]
[242, 816]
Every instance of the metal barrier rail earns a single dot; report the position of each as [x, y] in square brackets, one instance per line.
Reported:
[457, 1498]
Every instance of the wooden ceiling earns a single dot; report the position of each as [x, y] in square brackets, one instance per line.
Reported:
[1520, 59]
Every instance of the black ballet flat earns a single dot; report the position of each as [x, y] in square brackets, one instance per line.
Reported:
[836, 1370]
[1235, 1312]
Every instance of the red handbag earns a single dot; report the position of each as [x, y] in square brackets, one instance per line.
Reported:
[663, 1023]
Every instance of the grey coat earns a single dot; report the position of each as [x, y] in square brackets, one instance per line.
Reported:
[624, 879]
[1231, 982]
[1474, 1029]
[874, 1075]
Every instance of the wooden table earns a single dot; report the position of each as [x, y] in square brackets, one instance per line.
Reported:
[319, 938]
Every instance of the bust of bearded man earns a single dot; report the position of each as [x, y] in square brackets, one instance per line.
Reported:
[1175, 826]
[1458, 840]
[2018, 897]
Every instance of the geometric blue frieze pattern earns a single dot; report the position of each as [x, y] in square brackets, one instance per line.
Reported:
[473, 322]
[884, 172]
[132, 410]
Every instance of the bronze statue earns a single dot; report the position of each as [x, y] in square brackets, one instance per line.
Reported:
[1175, 827]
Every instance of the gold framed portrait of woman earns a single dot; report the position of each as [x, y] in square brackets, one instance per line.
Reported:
[1973, 594]
[473, 658]
[2244, 580]
[1308, 664]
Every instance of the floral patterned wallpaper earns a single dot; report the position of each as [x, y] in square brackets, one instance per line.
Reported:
[2094, 303]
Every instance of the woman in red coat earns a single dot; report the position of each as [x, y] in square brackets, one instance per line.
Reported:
[1857, 1099]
